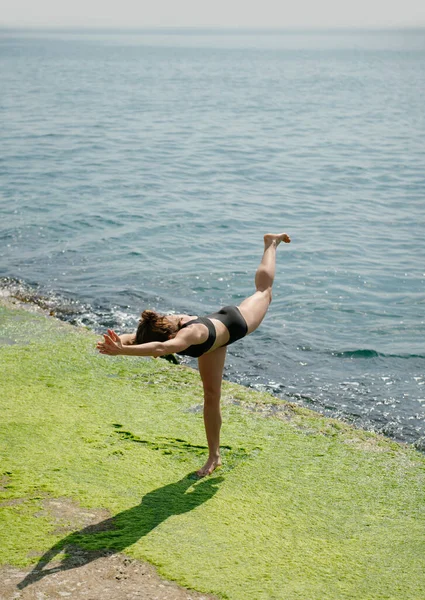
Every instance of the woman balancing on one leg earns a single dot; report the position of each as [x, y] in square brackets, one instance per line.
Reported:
[205, 338]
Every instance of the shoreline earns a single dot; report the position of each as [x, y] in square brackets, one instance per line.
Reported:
[41, 308]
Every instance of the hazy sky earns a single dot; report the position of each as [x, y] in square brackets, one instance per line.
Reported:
[227, 13]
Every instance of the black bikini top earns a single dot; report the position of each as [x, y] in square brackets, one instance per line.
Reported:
[197, 350]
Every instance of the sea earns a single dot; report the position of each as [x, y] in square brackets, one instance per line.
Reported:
[141, 168]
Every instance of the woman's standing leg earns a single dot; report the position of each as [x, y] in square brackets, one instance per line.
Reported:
[211, 370]
[254, 308]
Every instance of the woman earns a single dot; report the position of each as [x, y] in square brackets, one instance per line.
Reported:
[205, 338]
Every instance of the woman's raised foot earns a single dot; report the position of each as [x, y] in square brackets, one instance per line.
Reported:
[276, 238]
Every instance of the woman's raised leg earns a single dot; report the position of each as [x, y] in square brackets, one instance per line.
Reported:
[254, 308]
[211, 370]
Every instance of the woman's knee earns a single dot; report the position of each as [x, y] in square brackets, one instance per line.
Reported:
[212, 395]
[266, 298]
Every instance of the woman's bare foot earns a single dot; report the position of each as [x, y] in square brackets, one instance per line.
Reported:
[276, 238]
[212, 463]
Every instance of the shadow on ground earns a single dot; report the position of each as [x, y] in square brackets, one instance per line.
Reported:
[126, 528]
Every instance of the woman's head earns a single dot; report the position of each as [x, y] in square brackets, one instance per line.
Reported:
[155, 328]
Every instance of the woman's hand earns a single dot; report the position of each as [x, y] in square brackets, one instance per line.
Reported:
[111, 345]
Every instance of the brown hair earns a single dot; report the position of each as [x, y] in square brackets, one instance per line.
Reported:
[154, 327]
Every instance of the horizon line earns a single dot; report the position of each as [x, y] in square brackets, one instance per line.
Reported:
[212, 28]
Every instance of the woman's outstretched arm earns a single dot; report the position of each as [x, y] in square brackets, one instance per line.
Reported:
[113, 345]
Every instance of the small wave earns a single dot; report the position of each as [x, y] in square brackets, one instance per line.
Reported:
[369, 353]
[360, 353]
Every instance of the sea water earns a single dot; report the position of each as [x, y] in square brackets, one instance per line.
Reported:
[141, 169]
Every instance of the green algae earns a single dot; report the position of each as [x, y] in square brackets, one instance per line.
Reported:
[304, 507]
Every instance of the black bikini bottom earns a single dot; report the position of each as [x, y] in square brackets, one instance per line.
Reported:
[234, 321]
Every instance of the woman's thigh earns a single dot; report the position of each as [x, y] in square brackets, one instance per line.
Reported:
[254, 308]
[211, 367]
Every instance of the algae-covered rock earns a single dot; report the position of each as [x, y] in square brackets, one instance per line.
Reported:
[304, 507]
